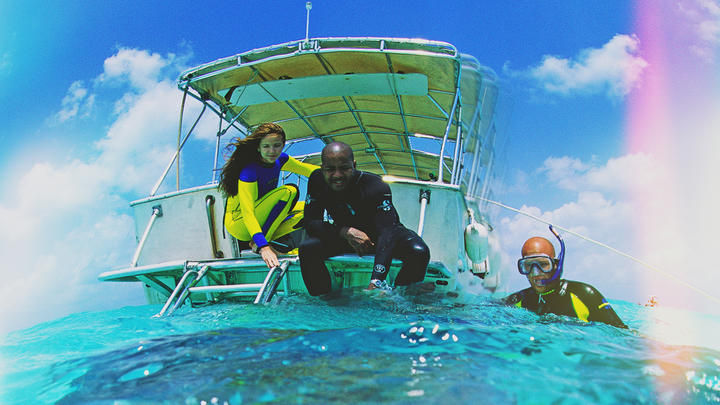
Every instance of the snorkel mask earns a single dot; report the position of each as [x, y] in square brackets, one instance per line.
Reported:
[544, 263]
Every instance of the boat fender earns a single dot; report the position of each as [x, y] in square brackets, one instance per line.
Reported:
[476, 242]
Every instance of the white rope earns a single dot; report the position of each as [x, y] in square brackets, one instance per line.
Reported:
[635, 259]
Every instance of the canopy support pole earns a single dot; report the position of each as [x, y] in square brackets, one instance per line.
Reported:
[445, 138]
[177, 153]
[182, 111]
[458, 145]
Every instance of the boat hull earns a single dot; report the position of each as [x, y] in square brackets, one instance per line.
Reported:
[187, 236]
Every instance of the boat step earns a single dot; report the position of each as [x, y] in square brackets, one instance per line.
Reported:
[188, 284]
[226, 288]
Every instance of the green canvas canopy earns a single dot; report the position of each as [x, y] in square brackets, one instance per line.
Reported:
[386, 98]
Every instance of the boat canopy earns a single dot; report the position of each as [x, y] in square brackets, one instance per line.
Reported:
[384, 97]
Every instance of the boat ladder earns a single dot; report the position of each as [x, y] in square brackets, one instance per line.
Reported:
[188, 284]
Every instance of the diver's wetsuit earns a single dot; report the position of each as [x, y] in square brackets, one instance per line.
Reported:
[571, 298]
[258, 193]
[366, 204]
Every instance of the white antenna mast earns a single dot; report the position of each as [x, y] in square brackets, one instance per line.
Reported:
[308, 7]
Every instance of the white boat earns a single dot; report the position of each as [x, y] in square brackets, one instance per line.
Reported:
[416, 112]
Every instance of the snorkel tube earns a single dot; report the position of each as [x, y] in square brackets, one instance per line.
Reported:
[561, 257]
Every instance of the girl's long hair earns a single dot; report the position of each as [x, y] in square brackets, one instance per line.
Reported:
[244, 152]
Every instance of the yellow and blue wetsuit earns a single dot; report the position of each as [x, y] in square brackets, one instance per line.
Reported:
[261, 211]
[570, 298]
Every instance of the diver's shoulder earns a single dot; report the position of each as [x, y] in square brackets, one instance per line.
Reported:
[316, 175]
[367, 177]
[579, 286]
[521, 294]
[371, 182]
[249, 172]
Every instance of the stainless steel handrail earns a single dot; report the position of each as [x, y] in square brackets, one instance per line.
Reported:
[283, 266]
[209, 203]
[186, 291]
[265, 294]
[156, 212]
[424, 201]
[184, 286]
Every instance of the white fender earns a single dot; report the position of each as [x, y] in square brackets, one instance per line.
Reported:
[477, 246]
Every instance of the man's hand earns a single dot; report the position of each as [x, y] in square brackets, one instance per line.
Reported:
[358, 240]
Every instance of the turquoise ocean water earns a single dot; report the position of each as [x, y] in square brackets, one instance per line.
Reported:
[363, 347]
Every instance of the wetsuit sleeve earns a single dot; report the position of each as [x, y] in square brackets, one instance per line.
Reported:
[385, 222]
[246, 192]
[598, 308]
[295, 166]
[315, 206]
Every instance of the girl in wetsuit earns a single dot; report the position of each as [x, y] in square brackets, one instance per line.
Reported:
[257, 210]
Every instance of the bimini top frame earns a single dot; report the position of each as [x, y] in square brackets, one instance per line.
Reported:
[401, 104]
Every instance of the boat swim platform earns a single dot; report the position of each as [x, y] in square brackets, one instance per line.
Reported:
[245, 278]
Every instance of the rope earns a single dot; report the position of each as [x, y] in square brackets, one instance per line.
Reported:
[633, 258]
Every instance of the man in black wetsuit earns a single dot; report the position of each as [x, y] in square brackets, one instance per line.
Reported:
[548, 293]
[364, 221]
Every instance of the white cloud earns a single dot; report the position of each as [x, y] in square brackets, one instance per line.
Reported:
[592, 215]
[141, 139]
[599, 211]
[703, 17]
[70, 221]
[634, 204]
[615, 68]
[77, 101]
[55, 241]
[573, 174]
[138, 67]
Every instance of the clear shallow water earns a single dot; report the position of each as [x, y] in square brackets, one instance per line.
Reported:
[362, 347]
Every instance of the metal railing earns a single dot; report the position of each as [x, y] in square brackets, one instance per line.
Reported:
[187, 285]
[156, 212]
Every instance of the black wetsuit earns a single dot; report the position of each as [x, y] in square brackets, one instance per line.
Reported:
[366, 204]
[571, 298]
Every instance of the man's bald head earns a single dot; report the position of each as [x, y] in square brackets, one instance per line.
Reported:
[337, 150]
[338, 165]
[537, 245]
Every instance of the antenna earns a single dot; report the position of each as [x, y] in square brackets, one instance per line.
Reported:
[308, 7]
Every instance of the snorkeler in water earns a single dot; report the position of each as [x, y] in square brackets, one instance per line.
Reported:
[548, 293]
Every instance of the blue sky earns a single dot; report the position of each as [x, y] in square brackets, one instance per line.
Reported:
[88, 105]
